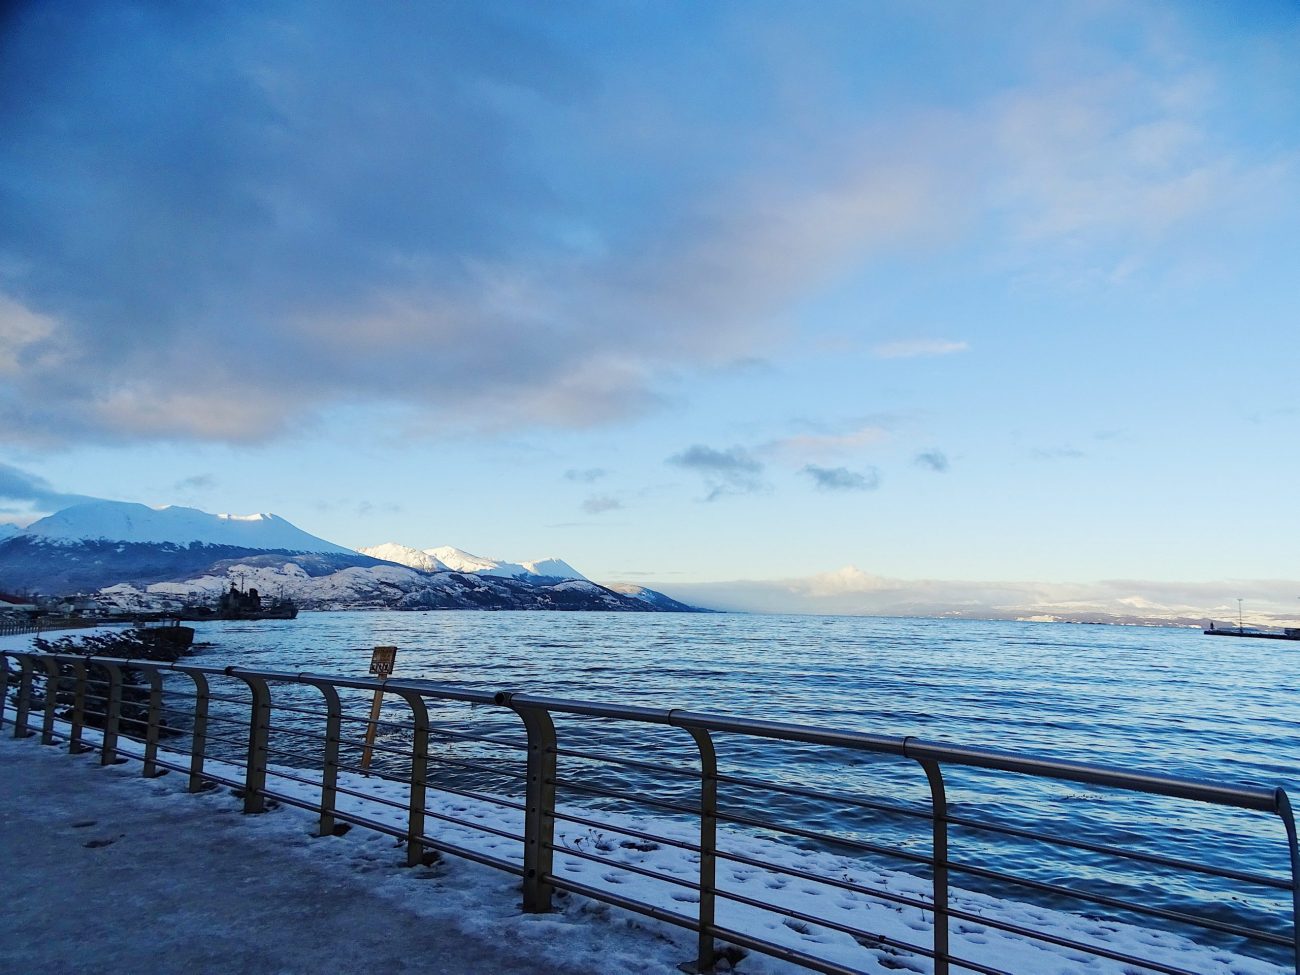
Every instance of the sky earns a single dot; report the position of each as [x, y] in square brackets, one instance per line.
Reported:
[681, 293]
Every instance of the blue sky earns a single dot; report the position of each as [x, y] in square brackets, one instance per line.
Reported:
[678, 292]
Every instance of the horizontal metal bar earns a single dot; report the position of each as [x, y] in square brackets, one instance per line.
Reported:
[774, 950]
[1061, 942]
[442, 732]
[1245, 797]
[375, 773]
[425, 688]
[691, 924]
[476, 767]
[376, 747]
[629, 867]
[591, 709]
[810, 793]
[1120, 904]
[1142, 856]
[294, 733]
[560, 817]
[484, 859]
[810, 834]
[876, 893]
[477, 827]
[641, 800]
[288, 800]
[281, 774]
[378, 722]
[372, 797]
[480, 797]
[824, 922]
[301, 756]
[686, 773]
[226, 741]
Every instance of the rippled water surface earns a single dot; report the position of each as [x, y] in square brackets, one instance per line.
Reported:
[1167, 700]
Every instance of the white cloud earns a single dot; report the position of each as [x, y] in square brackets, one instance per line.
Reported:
[817, 445]
[24, 338]
[913, 348]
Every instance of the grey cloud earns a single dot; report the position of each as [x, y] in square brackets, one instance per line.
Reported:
[1057, 453]
[19, 485]
[197, 482]
[600, 504]
[935, 460]
[585, 476]
[731, 471]
[296, 206]
[842, 479]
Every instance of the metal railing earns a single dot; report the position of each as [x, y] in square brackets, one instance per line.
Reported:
[22, 627]
[236, 734]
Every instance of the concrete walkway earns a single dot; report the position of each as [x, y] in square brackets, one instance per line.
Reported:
[103, 871]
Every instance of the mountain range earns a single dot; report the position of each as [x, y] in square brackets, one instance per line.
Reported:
[151, 558]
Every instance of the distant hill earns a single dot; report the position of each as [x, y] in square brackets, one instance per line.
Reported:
[458, 560]
[152, 558]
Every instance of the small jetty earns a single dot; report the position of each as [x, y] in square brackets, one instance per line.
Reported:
[1253, 632]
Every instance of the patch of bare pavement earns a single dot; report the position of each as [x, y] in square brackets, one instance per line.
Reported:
[103, 871]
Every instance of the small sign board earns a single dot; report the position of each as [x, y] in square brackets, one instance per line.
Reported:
[382, 661]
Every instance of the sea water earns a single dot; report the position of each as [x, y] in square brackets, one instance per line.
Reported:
[1156, 699]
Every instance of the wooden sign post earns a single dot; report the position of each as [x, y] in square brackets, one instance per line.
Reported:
[382, 662]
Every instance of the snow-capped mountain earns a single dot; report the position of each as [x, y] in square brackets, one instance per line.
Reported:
[380, 586]
[403, 555]
[650, 597]
[159, 558]
[458, 560]
[122, 521]
[7, 530]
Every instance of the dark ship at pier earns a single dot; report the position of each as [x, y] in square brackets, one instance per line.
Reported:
[243, 604]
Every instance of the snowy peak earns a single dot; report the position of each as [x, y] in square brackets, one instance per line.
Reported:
[8, 531]
[462, 561]
[458, 560]
[404, 555]
[122, 521]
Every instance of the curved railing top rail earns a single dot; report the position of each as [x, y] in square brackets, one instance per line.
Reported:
[1264, 799]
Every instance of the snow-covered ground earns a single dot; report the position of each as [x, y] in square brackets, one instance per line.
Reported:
[582, 930]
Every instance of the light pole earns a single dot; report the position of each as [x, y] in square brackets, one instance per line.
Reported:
[1239, 624]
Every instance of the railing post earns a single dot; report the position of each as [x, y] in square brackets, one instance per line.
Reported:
[330, 763]
[1287, 816]
[939, 808]
[112, 714]
[706, 953]
[24, 703]
[419, 776]
[539, 804]
[151, 769]
[259, 730]
[199, 736]
[75, 747]
[4, 685]
[51, 700]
